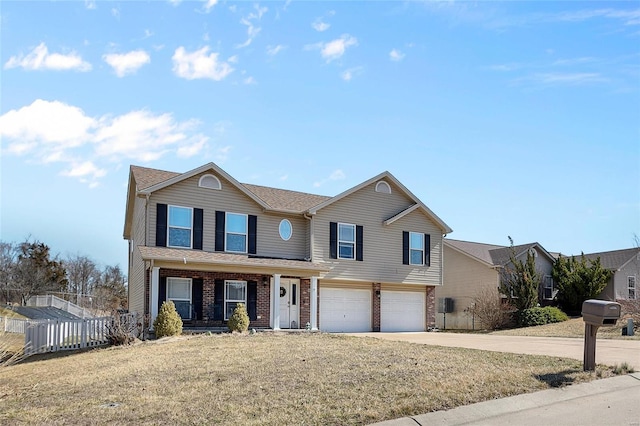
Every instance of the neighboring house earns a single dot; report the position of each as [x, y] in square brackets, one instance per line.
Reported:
[367, 259]
[625, 265]
[470, 267]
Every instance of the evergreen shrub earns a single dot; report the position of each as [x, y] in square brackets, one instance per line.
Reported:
[239, 321]
[168, 321]
[541, 316]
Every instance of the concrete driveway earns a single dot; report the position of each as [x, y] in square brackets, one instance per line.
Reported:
[608, 351]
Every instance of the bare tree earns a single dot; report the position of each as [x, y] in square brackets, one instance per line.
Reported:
[8, 260]
[82, 274]
[489, 308]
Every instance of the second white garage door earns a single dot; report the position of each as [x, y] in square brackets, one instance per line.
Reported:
[345, 310]
[402, 311]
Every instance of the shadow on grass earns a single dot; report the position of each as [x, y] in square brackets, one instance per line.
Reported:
[558, 380]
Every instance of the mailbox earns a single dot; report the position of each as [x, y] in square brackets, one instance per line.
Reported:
[600, 312]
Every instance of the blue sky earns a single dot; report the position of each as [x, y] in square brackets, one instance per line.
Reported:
[516, 119]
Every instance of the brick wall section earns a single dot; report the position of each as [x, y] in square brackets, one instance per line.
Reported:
[375, 308]
[305, 302]
[431, 307]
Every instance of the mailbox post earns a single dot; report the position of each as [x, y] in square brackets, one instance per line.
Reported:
[595, 314]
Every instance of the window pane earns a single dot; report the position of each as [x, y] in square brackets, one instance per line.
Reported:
[417, 241]
[178, 289]
[346, 251]
[179, 216]
[236, 223]
[237, 243]
[416, 257]
[229, 307]
[236, 290]
[183, 309]
[346, 232]
[179, 237]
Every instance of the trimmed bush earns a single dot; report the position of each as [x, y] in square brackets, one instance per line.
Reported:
[541, 316]
[239, 321]
[168, 321]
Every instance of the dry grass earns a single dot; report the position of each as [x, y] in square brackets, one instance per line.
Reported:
[571, 328]
[268, 378]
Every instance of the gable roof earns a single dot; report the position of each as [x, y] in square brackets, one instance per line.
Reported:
[613, 260]
[491, 254]
[386, 175]
[144, 180]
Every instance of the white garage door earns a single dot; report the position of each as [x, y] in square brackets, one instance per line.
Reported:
[343, 310]
[402, 311]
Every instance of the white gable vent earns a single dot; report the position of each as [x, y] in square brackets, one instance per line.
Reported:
[209, 181]
[383, 187]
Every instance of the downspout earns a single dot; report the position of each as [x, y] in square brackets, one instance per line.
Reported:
[311, 234]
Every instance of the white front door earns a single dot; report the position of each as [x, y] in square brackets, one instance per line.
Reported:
[289, 300]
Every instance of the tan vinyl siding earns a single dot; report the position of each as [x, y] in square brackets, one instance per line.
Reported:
[382, 244]
[620, 279]
[230, 199]
[136, 270]
[464, 277]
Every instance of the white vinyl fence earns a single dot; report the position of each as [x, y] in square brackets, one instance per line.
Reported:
[42, 336]
[56, 302]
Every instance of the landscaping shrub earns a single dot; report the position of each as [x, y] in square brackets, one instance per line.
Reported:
[540, 316]
[123, 329]
[239, 321]
[168, 321]
[489, 309]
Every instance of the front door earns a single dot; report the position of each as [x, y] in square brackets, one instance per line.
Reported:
[289, 296]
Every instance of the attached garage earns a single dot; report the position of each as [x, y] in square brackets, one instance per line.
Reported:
[345, 310]
[402, 310]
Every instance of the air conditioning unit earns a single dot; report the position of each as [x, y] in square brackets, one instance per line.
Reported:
[445, 305]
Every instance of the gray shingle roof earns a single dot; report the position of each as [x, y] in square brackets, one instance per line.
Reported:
[490, 253]
[612, 259]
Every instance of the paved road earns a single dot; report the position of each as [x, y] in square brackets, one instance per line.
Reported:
[608, 351]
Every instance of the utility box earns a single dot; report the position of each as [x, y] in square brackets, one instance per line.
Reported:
[600, 312]
[445, 305]
[595, 314]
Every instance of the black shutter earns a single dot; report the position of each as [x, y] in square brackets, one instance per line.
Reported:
[219, 231]
[252, 300]
[161, 225]
[405, 248]
[196, 297]
[218, 301]
[359, 242]
[253, 227]
[427, 250]
[162, 292]
[197, 228]
[333, 240]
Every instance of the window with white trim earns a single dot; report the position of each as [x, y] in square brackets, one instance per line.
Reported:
[547, 287]
[383, 187]
[285, 229]
[234, 292]
[180, 223]
[179, 292]
[236, 232]
[209, 181]
[631, 286]
[346, 241]
[416, 248]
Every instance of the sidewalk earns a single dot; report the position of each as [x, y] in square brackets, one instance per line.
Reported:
[613, 401]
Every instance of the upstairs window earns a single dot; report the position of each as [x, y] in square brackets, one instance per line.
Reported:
[416, 248]
[631, 284]
[209, 181]
[346, 241]
[180, 226]
[383, 187]
[236, 232]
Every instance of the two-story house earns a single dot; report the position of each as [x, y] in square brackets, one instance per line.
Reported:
[367, 259]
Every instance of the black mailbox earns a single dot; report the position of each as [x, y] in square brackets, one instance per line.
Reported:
[600, 312]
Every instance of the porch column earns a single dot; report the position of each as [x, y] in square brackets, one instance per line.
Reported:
[314, 303]
[276, 301]
[153, 294]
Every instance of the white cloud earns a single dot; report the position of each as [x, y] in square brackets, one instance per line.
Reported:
[335, 175]
[319, 25]
[396, 55]
[249, 21]
[54, 132]
[208, 5]
[127, 63]
[334, 49]
[199, 64]
[40, 59]
[90, 4]
[274, 50]
[249, 80]
[348, 74]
